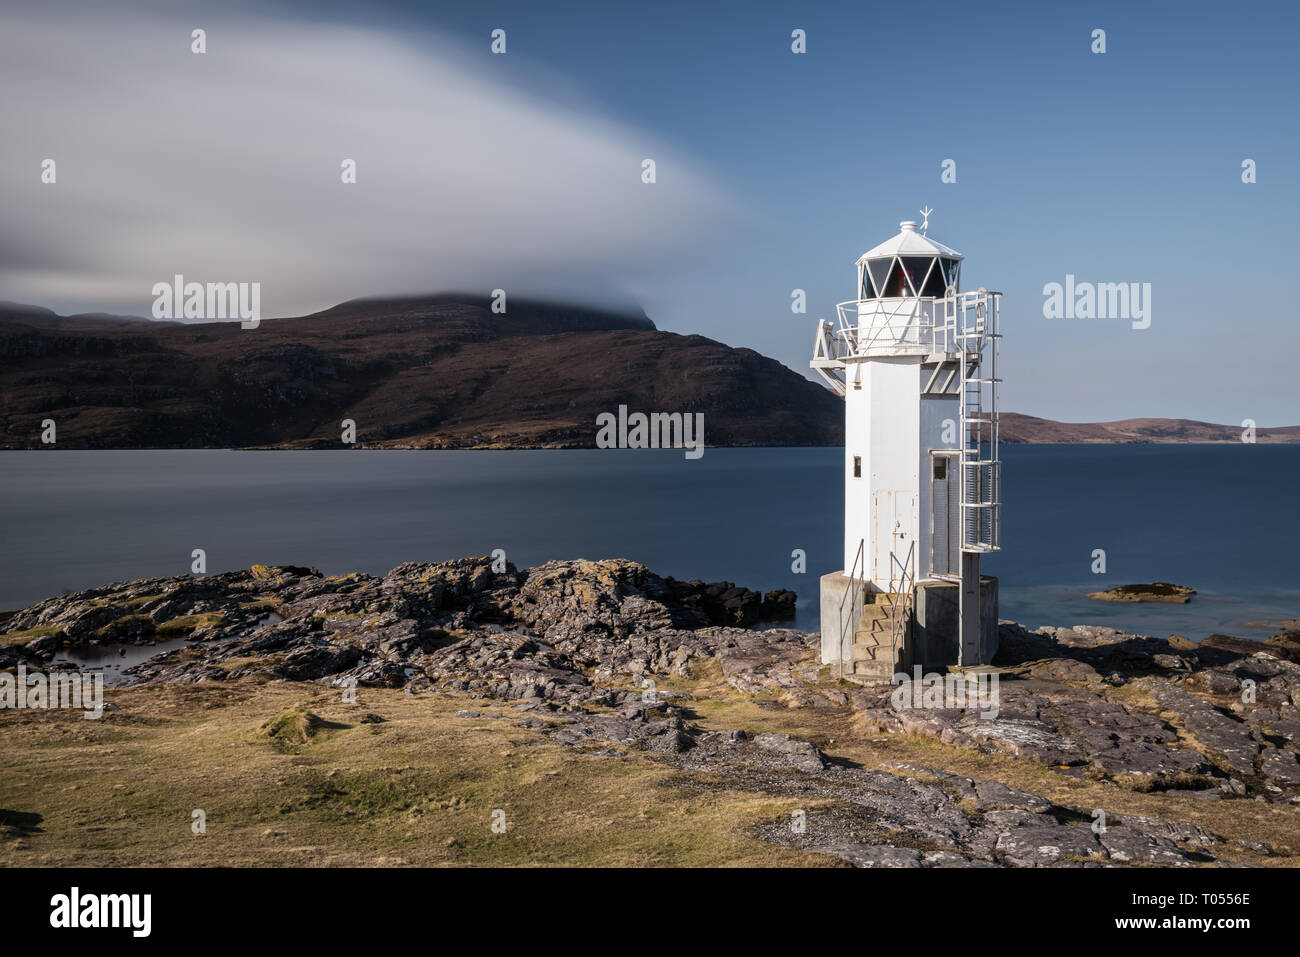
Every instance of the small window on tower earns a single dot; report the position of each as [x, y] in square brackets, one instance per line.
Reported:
[940, 467]
[857, 466]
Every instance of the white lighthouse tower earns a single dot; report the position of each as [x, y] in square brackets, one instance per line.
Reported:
[916, 360]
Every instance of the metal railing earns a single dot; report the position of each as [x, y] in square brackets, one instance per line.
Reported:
[855, 589]
[894, 327]
[901, 599]
[949, 325]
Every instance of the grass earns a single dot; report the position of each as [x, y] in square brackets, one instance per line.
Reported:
[114, 630]
[14, 639]
[143, 599]
[292, 730]
[288, 774]
[185, 624]
[418, 788]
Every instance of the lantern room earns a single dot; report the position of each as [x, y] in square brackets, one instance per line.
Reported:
[910, 265]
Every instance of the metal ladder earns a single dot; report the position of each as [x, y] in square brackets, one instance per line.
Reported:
[978, 336]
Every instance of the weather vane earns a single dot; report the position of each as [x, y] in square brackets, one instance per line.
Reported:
[925, 214]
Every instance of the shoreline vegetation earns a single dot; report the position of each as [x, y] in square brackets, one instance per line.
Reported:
[616, 717]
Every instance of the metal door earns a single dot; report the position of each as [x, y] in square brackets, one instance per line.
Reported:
[945, 515]
[895, 524]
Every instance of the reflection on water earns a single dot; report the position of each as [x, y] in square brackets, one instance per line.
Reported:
[113, 658]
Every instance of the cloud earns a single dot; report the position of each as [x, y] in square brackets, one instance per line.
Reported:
[226, 167]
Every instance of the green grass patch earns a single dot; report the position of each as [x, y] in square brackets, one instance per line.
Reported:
[290, 731]
[187, 624]
[14, 639]
[120, 629]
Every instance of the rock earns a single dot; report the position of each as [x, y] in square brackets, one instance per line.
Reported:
[1286, 645]
[778, 605]
[1002, 795]
[1240, 647]
[1225, 737]
[1066, 669]
[1280, 766]
[1131, 846]
[1043, 844]
[1217, 682]
[1233, 786]
[1155, 591]
[806, 756]
[865, 855]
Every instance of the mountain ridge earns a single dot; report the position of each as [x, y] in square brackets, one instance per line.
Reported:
[438, 371]
[433, 371]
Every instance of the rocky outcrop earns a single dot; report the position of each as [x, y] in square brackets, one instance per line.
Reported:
[906, 815]
[1143, 712]
[1155, 591]
[562, 632]
[580, 650]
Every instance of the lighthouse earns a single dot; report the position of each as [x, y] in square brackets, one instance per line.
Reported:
[916, 360]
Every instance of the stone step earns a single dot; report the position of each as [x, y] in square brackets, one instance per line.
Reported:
[867, 650]
[870, 652]
[872, 636]
[874, 671]
[880, 599]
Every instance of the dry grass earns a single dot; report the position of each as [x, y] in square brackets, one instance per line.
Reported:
[420, 787]
[288, 774]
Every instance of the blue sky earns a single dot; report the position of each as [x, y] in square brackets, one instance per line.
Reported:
[1119, 167]
[1124, 166]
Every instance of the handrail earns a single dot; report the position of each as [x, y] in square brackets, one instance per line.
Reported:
[931, 324]
[854, 589]
[902, 597]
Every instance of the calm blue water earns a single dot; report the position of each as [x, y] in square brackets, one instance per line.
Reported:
[1222, 519]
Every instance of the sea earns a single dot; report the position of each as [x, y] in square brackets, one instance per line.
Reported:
[1223, 519]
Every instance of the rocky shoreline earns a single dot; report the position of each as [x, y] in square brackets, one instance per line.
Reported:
[577, 649]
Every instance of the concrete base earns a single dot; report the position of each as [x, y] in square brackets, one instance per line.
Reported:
[835, 587]
[934, 642]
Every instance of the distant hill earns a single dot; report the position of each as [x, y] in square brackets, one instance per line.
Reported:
[1024, 429]
[437, 371]
[41, 318]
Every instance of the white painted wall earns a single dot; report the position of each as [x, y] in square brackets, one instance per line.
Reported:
[882, 426]
[857, 442]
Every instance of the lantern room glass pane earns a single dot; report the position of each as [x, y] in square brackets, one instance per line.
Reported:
[934, 283]
[952, 271]
[879, 269]
[915, 269]
[867, 291]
